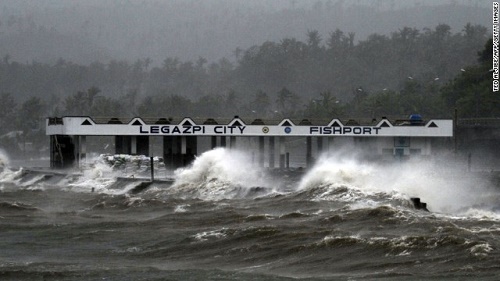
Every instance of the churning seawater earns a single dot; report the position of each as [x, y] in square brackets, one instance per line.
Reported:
[224, 219]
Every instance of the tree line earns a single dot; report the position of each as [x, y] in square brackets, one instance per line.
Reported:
[430, 72]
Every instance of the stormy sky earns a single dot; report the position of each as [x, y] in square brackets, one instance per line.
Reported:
[84, 31]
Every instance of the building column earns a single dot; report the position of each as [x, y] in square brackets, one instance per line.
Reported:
[76, 151]
[189, 149]
[123, 145]
[308, 152]
[261, 151]
[319, 141]
[281, 143]
[83, 148]
[142, 145]
[133, 145]
[172, 152]
[62, 151]
[428, 147]
[80, 149]
[213, 142]
[329, 141]
[232, 142]
[271, 152]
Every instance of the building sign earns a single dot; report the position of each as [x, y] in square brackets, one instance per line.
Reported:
[241, 130]
[191, 130]
[319, 130]
[85, 126]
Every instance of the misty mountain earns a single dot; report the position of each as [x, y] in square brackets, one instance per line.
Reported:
[88, 31]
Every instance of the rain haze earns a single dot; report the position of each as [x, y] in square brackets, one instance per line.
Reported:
[249, 140]
[88, 31]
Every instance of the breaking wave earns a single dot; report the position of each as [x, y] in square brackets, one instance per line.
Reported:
[220, 174]
[226, 174]
[344, 217]
[4, 160]
[349, 180]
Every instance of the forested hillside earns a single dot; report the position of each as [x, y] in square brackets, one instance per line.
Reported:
[409, 61]
[430, 71]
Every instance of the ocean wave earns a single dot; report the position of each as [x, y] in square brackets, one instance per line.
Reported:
[213, 234]
[444, 190]
[11, 176]
[404, 245]
[4, 160]
[17, 206]
[220, 174]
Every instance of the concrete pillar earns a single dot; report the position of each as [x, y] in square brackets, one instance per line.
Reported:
[328, 141]
[223, 141]
[183, 145]
[308, 152]
[83, 148]
[177, 151]
[428, 146]
[133, 145]
[62, 151]
[167, 152]
[213, 142]
[53, 152]
[80, 149]
[261, 151]
[232, 142]
[172, 152]
[271, 152]
[281, 143]
[76, 151]
[320, 145]
[123, 145]
[142, 145]
[189, 149]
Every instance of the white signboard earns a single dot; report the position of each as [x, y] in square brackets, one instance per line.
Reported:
[137, 127]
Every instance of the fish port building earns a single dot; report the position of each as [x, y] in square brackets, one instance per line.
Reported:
[270, 142]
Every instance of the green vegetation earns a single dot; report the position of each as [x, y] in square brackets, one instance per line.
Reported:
[471, 92]
[430, 72]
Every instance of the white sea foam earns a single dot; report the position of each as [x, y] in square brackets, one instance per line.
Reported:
[10, 176]
[98, 170]
[181, 208]
[214, 234]
[481, 250]
[444, 190]
[96, 176]
[4, 159]
[85, 185]
[218, 174]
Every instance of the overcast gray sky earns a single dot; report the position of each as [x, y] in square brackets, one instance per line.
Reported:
[87, 30]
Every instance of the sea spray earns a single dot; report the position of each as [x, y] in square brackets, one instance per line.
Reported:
[219, 174]
[95, 177]
[4, 160]
[333, 170]
[444, 189]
